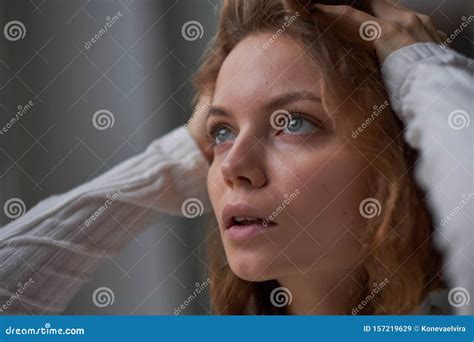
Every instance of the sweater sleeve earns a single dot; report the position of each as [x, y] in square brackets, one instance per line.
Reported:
[431, 89]
[48, 253]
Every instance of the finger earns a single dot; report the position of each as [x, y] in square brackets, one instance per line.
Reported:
[417, 24]
[430, 27]
[396, 3]
[443, 36]
[386, 9]
[393, 11]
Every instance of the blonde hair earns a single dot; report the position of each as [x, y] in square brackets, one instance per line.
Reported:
[398, 242]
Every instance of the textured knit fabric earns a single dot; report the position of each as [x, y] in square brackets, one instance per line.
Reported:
[432, 90]
[59, 243]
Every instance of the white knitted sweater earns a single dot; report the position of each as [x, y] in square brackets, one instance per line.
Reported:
[60, 241]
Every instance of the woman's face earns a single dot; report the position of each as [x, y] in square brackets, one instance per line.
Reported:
[299, 185]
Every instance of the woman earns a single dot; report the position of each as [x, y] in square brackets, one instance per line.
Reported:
[295, 168]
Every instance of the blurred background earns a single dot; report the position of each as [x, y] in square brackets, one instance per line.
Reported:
[138, 72]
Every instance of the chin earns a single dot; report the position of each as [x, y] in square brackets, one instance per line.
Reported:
[252, 267]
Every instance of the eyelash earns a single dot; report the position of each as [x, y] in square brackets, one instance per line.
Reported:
[212, 130]
[216, 125]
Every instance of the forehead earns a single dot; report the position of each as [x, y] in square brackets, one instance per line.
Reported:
[252, 73]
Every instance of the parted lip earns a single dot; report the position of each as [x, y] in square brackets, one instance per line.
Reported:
[232, 210]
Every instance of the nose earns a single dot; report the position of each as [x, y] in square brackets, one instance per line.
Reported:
[244, 163]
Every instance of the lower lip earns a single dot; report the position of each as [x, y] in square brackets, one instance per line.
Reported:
[242, 233]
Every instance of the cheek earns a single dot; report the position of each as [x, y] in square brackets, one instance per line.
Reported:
[332, 183]
[215, 186]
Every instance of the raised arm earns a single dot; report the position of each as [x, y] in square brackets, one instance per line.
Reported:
[432, 91]
[47, 254]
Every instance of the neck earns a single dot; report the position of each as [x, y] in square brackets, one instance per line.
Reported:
[322, 294]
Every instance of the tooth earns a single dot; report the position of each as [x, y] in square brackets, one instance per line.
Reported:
[242, 218]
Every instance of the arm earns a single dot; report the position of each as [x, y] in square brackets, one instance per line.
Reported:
[432, 90]
[48, 253]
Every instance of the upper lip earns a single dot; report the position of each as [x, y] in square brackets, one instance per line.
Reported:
[240, 209]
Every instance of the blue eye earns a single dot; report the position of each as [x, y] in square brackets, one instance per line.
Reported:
[222, 134]
[299, 125]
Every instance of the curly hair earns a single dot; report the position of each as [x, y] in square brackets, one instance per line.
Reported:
[397, 243]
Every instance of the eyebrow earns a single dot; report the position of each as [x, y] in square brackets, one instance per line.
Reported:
[274, 104]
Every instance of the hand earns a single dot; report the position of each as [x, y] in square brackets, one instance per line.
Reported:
[197, 126]
[392, 27]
